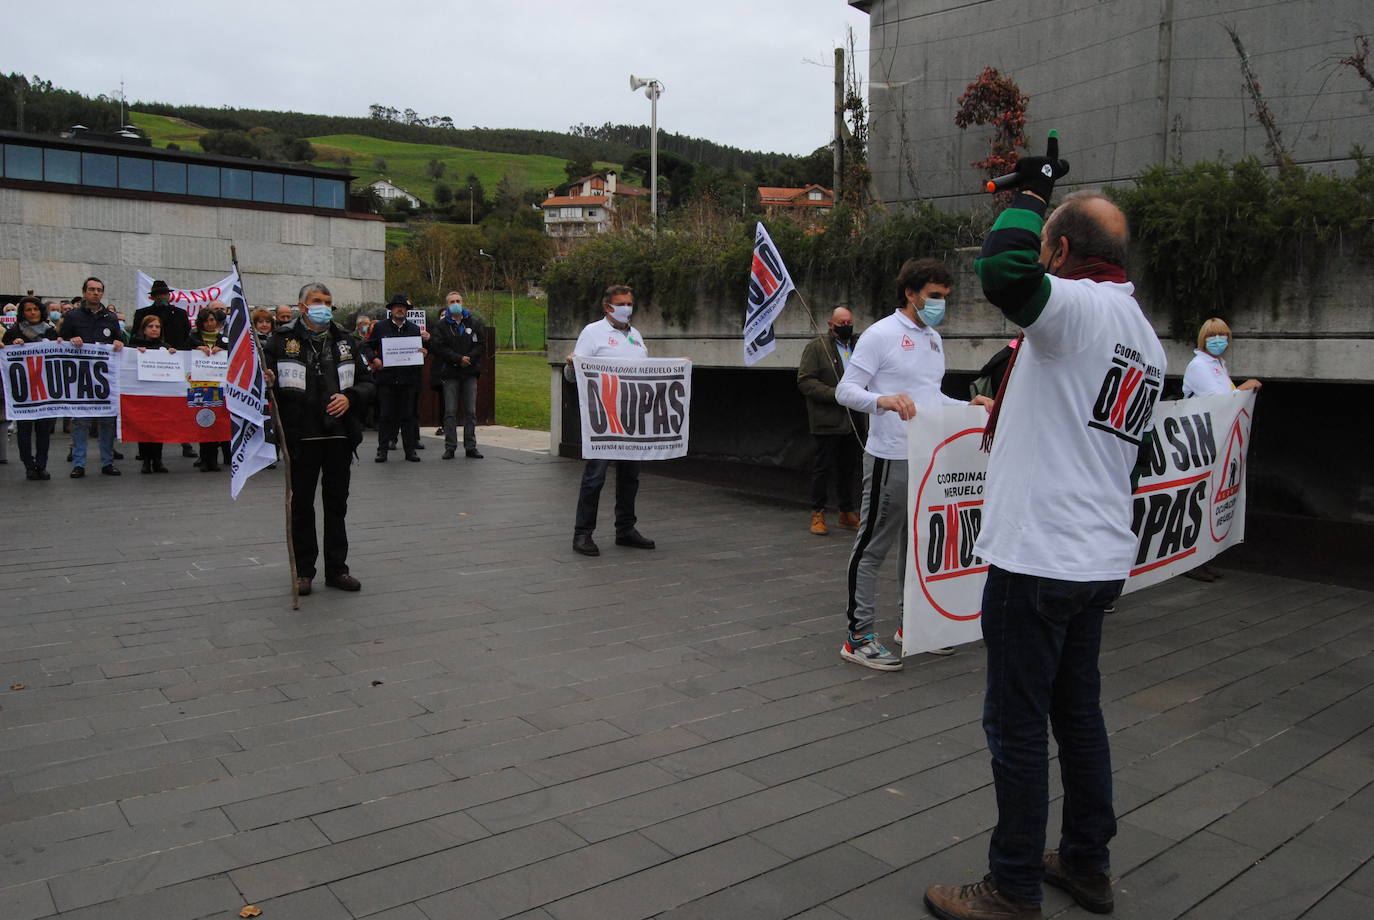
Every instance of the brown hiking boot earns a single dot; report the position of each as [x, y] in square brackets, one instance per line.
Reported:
[849, 519]
[818, 523]
[1092, 892]
[979, 901]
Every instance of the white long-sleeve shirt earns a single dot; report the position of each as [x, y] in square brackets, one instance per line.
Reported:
[1206, 376]
[895, 355]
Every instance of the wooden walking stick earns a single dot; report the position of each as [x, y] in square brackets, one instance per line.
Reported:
[284, 454]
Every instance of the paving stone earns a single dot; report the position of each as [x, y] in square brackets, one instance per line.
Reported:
[1197, 803]
[1341, 904]
[657, 805]
[26, 902]
[552, 802]
[340, 793]
[221, 789]
[1181, 877]
[214, 896]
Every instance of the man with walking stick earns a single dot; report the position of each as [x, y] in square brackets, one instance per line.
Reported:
[321, 386]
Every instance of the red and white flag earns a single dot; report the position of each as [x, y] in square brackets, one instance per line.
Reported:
[769, 285]
[168, 411]
[245, 392]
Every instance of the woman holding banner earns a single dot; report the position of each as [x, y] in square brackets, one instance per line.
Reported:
[149, 335]
[207, 337]
[34, 434]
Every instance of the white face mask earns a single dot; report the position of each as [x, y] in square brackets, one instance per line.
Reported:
[621, 312]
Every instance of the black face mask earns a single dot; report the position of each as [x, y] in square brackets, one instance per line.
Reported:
[844, 332]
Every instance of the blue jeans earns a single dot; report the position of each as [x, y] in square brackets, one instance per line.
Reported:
[105, 432]
[466, 387]
[1043, 636]
[626, 488]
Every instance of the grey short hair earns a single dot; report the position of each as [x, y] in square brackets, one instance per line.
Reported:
[311, 288]
[1088, 239]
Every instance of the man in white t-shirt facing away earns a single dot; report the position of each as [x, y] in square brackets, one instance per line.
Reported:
[1056, 535]
[896, 368]
[612, 336]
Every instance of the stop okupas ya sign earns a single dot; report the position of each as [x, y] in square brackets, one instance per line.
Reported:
[634, 409]
[57, 379]
[1187, 508]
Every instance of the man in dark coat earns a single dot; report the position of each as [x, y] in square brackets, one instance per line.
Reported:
[457, 343]
[397, 387]
[93, 323]
[176, 322]
[322, 387]
[836, 431]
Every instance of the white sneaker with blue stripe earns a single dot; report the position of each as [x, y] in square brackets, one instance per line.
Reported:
[869, 652]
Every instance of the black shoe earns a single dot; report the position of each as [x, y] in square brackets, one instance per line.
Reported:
[118, 455]
[448, 454]
[419, 447]
[44, 475]
[209, 467]
[303, 586]
[78, 472]
[438, 432]
[31, 474]
[472, 453]
[633, 538]
[583, 543]
[412, 458]
[147, 466]
[187, 450]
[344, 582]
[1092, 892]
[110, 470]
[159, 468]
[381, 456]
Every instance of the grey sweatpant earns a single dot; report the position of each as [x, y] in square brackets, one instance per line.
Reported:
[882, 521]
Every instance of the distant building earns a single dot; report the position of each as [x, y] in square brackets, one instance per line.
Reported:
[591, 205]
[73, 207]
[799, 202]
[389, 192]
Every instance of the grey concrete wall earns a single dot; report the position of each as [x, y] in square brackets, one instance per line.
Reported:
[51, 241]
[1315, 325]
[1128, 83]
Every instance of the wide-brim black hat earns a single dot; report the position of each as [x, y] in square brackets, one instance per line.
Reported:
[159, 287]
[398, 300]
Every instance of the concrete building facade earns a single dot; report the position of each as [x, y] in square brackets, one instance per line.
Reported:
[1127, 84]
[66, 213]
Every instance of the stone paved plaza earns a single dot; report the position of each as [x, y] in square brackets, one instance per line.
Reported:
[496, 727]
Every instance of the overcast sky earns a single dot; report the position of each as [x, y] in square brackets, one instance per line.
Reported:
[755, 74]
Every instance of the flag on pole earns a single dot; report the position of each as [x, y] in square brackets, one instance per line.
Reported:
[769, 285]
[244, 393]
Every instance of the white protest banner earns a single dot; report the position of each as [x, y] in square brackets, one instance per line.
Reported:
[417, 317]
[57, 379]
[1187, 508]
[402, 351]
[159, 365]
[189, 299]
[769, 285]
[634, 408]
[209, 368]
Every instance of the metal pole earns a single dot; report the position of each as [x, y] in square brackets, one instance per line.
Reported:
[839, 123]
[653, 154]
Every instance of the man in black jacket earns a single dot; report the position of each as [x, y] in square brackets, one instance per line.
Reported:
[397, 387]
[93, 323]
[176, 322]
[457, 345]
[322, 387]
[835, 429]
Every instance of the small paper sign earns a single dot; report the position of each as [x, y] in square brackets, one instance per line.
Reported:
[209, 367]
[402, 351]
[158, 365]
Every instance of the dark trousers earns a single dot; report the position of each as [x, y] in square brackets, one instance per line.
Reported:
[152, 452]
[626, 488]
[396, 415]
[464, 389]
[33, 442]
[326, 462]
[1043, 636]
[837, 457]
[209, 454]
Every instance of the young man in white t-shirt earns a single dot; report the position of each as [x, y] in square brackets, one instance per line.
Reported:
[1077, 406]
[612, 336]
[896, 367]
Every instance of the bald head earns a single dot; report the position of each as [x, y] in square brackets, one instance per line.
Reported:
[1087, 227]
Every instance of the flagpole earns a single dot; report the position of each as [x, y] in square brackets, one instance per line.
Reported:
[284, 454]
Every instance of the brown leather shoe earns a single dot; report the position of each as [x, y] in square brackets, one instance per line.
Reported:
[818, 523]
[849, 519]
[1092, 892]
[303, 586]
[979, 901]
[344, 582]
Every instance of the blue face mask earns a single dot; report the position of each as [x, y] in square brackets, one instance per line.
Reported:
[320, 314]
[54, 316]
[1216, 344]
[932, 313]
[456, 309]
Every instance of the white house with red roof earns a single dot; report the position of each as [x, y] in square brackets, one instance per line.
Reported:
[589, 205]
[809, 200]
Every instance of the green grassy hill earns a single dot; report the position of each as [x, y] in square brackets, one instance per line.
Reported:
[406, 163]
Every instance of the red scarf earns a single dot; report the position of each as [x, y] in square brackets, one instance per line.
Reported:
[1095, 270]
